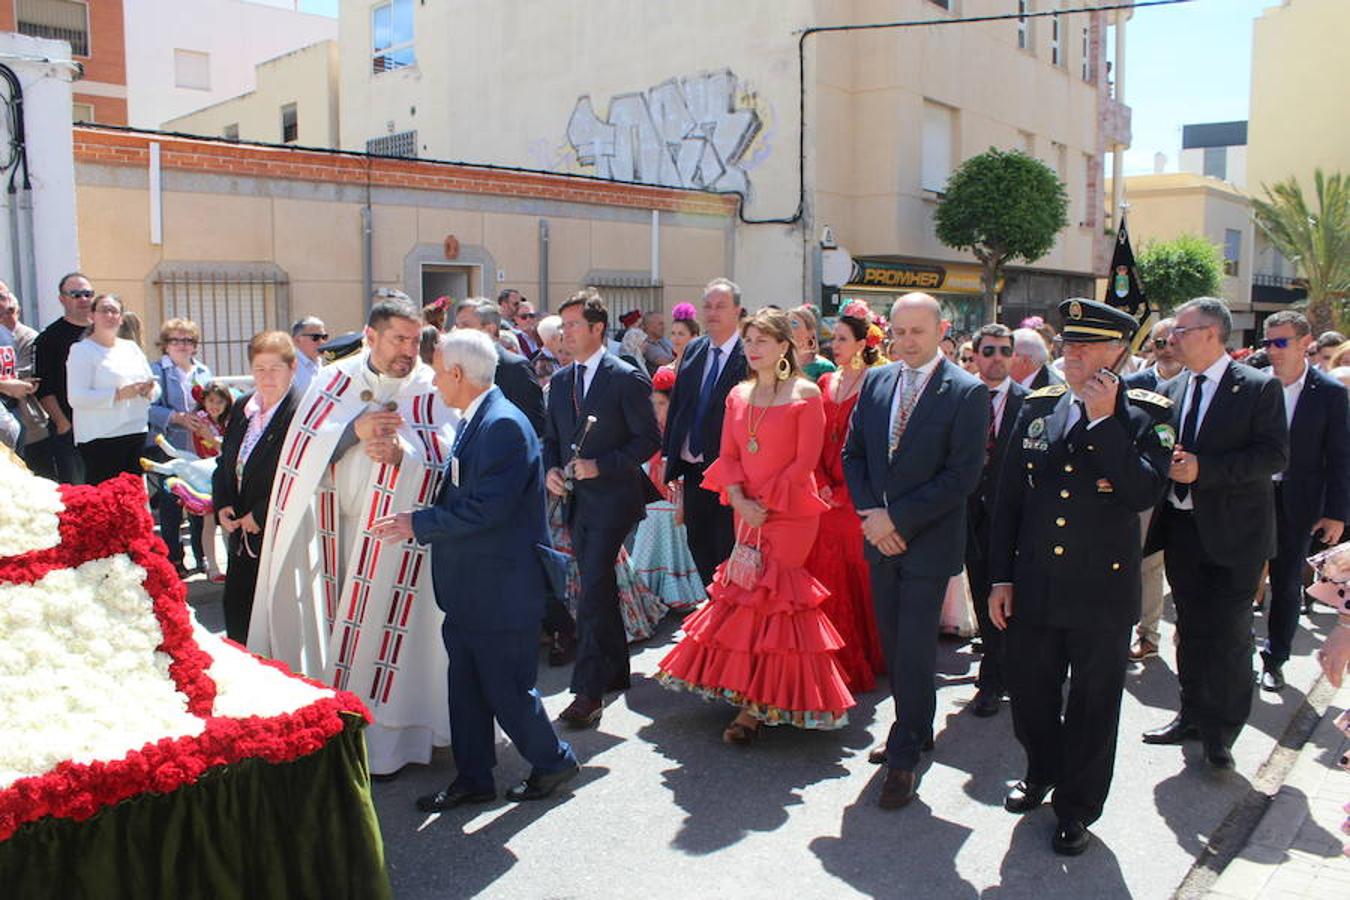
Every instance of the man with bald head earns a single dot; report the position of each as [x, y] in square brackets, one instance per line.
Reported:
[913, 455]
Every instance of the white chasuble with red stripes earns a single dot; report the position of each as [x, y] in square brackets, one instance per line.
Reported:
[334, 603]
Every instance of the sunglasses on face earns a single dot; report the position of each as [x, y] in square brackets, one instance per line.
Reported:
[528, 316]
[990, 350]
[1159, 343]
[320, 336]
[80, 295]
[966, 357]
[1283, 342]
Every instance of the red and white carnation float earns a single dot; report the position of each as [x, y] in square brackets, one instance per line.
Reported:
[140, 755]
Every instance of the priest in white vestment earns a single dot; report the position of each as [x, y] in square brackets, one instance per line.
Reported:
[371, 436]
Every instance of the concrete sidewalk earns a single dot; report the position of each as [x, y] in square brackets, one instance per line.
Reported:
[1295, 850]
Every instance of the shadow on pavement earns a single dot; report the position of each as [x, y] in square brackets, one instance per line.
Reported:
[726, 791]
[1031, 869]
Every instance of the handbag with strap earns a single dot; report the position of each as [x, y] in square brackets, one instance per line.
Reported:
[746, 563]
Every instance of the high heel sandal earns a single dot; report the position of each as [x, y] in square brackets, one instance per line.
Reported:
[740, 733]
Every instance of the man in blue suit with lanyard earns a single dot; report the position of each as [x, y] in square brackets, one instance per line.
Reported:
[491, 503]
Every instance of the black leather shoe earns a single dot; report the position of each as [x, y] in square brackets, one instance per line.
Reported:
[1177, 731]
[878, 756]
[562, 649]
[451, 797]
[985, 704]
[1217, 754]
[1071, 838]
[539, 787]
[1024, 797]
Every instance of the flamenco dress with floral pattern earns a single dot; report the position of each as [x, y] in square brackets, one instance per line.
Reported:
[661, 556]
[837, 559]
[769, 648]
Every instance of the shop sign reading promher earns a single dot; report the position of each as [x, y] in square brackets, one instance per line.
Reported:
[888, 275]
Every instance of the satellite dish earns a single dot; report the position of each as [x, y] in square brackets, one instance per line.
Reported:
[836, 267]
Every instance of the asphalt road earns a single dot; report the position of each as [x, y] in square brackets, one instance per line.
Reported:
[664, 809]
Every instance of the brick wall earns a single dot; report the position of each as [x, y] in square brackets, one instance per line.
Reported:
[95, 145]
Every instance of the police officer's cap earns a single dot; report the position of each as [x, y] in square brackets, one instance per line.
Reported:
[341, 347]
[1089, 321]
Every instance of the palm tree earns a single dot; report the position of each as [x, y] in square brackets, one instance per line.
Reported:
[1316, 241]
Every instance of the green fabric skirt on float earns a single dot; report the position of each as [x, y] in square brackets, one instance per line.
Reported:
[305, 828]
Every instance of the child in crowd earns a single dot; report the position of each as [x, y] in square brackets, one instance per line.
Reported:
[214, 403]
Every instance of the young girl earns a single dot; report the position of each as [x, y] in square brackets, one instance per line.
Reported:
[214, 403]
[660, 548]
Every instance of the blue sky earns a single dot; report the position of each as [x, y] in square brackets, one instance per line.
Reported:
[1185, 64]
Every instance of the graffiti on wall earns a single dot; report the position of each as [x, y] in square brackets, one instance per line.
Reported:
[692, 132]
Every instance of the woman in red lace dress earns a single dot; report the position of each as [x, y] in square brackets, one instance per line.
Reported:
[762, 642]
[837, 560]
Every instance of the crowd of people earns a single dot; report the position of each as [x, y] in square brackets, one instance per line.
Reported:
[819, 506]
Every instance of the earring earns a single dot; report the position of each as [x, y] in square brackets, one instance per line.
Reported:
[783, 368]
[857, 363]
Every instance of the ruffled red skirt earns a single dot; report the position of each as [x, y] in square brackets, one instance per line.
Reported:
[837, 562]
[770, 650]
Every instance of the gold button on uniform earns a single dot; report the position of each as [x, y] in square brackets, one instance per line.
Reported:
[1115, 567]
[1064, 494]
[1059, 551]
[1061, 521]
[1068, 467]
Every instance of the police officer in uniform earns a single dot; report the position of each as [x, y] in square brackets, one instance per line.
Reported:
[1085, 458]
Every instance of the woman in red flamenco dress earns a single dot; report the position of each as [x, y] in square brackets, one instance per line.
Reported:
[767, 647]
[837, 560]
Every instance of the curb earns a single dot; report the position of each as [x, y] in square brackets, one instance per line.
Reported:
[1295, 849]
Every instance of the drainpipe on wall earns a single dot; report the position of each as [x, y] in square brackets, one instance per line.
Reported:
[656, 251]
[543, 267]
[367, 260]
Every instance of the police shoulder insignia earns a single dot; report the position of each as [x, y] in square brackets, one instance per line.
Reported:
[1141, 395]
[1167, 436]
[1050, 390]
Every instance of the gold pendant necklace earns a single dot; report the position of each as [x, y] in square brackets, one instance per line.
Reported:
[753, 444]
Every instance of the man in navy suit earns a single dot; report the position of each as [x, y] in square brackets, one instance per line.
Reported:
[1312, 492]
[1216, 525]
[712, 365]
[913, 455]
[490, 505]
[514, 375]
[600, 429]
[993, 351]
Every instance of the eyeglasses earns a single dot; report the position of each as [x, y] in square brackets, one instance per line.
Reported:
[966, 357]
[80, 295]
[182, 342]
[317, 336]
[1275, 342]
[1001, 350]
[527, 316]
[109, 310]
[1180, 331]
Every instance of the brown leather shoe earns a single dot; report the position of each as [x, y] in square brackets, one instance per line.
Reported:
[878, 756]
[582, 713]
[897, 790]
[1142, 650]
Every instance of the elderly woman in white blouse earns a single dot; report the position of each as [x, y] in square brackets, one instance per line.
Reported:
[110, 388]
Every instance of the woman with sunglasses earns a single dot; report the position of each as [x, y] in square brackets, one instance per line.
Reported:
[110, 387]
[178, 373]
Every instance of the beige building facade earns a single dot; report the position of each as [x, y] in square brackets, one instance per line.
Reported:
[1162, 207]
[295, 102]
[706, 96]
[241, 237]
[1300, 69]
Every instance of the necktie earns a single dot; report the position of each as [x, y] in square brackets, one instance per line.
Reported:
[908, 396]
[460, 427]
[992, 437]
[578, 388]
[1189, 428]
[704, 399]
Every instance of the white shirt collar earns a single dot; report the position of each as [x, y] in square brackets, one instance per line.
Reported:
[472, 409]
[593, 361]
[925, 369]
[1003, 386]
[1217, 369]
[729, 345]
[1299, 381]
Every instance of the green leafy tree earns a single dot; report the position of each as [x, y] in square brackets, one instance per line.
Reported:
[1186, 267]
[1003, 206]
[1317, 241]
